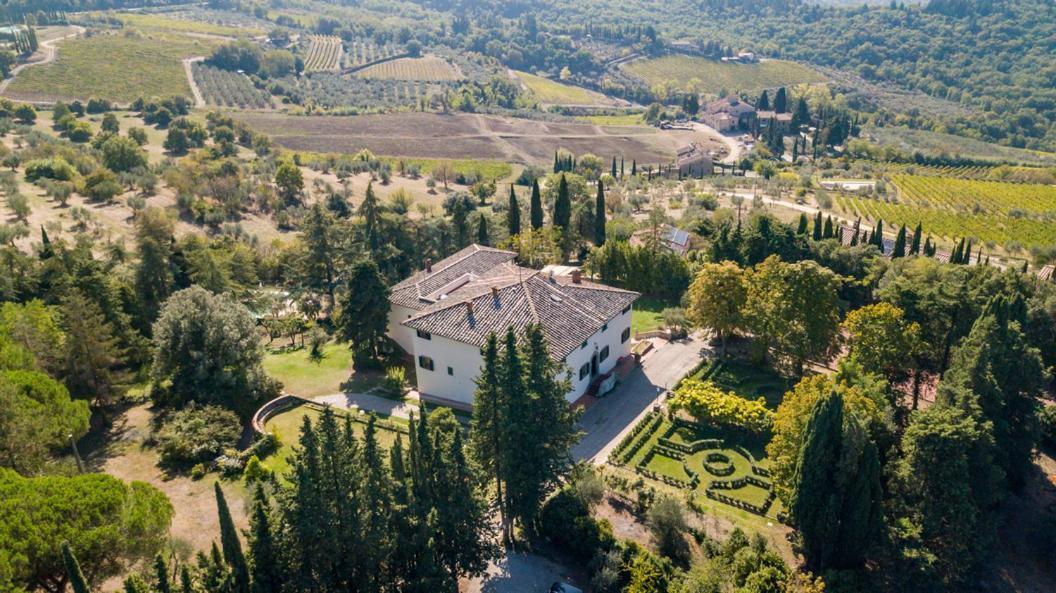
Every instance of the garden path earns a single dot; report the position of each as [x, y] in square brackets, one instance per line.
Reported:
[369, 403]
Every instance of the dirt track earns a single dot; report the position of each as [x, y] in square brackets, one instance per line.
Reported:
[430, 135]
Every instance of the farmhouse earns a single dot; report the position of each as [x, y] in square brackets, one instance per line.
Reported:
[729, 114]
[692, 161]
[443, 315]
[772, 119]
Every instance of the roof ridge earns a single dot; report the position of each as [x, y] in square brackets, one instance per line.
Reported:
[528, 297]
[572, 301]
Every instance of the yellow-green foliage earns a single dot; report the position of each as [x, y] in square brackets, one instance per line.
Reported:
[709, 76]
[708, 403]
[545, 90]
[157, 21]
[118, 67]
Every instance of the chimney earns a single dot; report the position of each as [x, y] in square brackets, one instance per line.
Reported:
[469, 308]
[551, 277]
[495, 294]
[428, 265]
[577, 276]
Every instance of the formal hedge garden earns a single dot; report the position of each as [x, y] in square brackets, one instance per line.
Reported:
[718, 463]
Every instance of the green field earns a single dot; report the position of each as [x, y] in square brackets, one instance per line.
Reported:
[708, 76]
[937, 143]
[120, 68]
[647, 314]
[167, 23]
[553, 92]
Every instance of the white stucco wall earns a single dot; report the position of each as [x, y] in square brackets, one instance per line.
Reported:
[401, 334]
[608, 337]
[466, 361]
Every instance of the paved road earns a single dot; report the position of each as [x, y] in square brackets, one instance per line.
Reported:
[608, 420]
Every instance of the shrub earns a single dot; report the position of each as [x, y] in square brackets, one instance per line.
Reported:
[255, 471]
[1047, 419]
[566, 522]
[197, 434]
[708, 403]
[395, 378]
[54, 168]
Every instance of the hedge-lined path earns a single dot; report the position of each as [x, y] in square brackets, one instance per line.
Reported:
[613, 416]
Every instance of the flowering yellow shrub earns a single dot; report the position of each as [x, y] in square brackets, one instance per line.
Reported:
[706, 402]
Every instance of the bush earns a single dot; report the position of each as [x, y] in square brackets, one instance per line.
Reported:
[54, 168]
[708, 403]
[566, 522]
[395, 378]
[1047, 419]
[197, 435]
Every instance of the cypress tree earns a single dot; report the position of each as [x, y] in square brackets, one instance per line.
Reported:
[817, 227]
[186, 582]
[613, 167]
[370, 210]
[536, 207]
[915, 247]
[828, 232]
[634, 167]
[764, 102]
[482, 230]
[621, 167]
[958, 253]
[265, 568]
[900, 243]
[231, 546]
[802, 229]
[878, 235]
[781, 101]
[599, 214]
[486, 430]
[161, 573]
[854, 237]
[513, 214]
[966, 256]
[562, 205]
[557, 165]
[134, 584]
[73, 571]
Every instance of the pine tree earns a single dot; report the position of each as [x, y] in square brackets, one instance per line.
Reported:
[915, 247]
[513, 214]
[599, 214]
[482, 230]
[231, 545]
[562, 205]
[803, 224]
[73, 571]
[365, 309]
[900, 243]
[265, 570]
[536, 206]
[817, 227]
[161, 575]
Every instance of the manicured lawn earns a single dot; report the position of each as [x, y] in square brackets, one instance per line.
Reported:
[662, 464]
[646, 314]
[710, 76]
[300, 375]
[287, 426]
[752, 381]
[120, 67]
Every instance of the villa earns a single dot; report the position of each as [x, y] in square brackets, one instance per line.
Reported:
[443, 315]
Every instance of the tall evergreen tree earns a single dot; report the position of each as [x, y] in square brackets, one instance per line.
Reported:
[877, 237]
[764, 102]
[818, 227]
[370, 210]
[634, 167]
[513, 214]
[536, 206]
[958, 253]
[599, 214]
[835, 502]
[318, 263]
[265, 568]
[613, 172]
[365, 308]
[829, 232]
[487, 435]
[562, 205]
[803, 224]
[900, 243]
[161, 575]
[482, 230]
[73, 571]
[915, 247]
[781, 101]
[231, 545]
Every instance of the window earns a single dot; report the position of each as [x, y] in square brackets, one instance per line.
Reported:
[626, 335]
[451, 371]
[605, 327]
[583, 345]
[626, 309]
[604, 354]
[426, 363]
[423, 334]
[584, 370]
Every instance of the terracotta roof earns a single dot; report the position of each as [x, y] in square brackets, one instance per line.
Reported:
[510, 296]
[447, 275]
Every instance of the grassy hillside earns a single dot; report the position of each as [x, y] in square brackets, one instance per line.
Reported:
[168, 23]
[118, 67]
[937, 143]
[553, 92]
[708, 76]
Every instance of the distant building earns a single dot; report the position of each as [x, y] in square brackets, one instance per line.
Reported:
[670, 237]
[729, 114]
[744, 57]
[442, 316]
[781, 121]
[693, 161]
